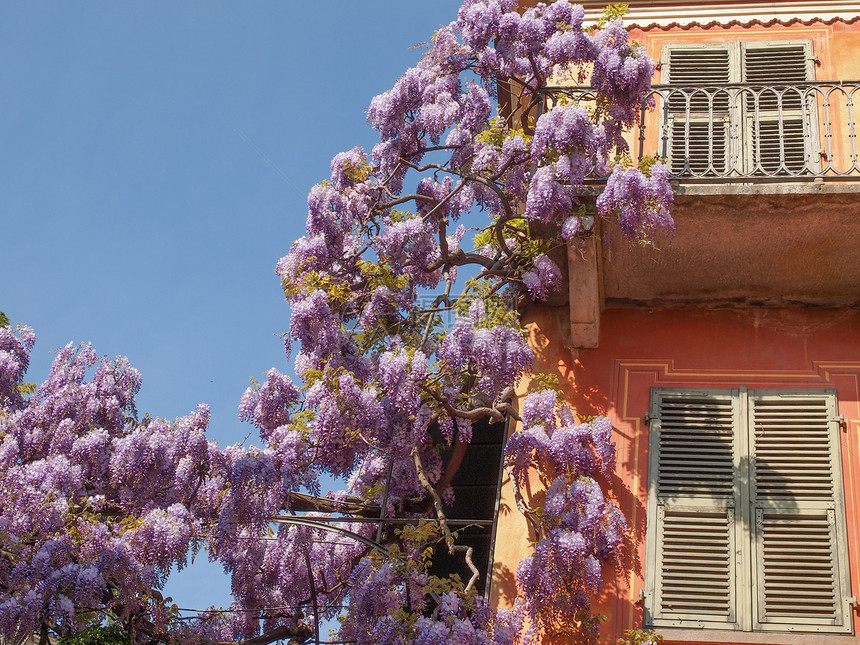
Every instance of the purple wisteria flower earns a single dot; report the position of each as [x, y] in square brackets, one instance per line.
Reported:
[581, 529]
[405, 297]
[543, 278]
[641, 203]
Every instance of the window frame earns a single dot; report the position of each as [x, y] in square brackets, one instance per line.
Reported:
[742, 133]
[748, 505]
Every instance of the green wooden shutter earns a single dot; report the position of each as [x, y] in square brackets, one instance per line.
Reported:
[800, 563]
[746, 513]
[779, 119]
[699, 125]
[693, 497]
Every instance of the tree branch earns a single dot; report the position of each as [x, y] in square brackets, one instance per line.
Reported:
[444, 297]
[437, 503]
[352, 505]
[402, 200]
[298, 633]
[468, 558]
[453, 465]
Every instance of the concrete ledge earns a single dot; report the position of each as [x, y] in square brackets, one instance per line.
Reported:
[699, 636]
[781, 187]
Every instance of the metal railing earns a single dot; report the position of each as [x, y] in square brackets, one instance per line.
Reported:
[744, 132]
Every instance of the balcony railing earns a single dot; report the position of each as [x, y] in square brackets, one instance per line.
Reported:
[745, 132]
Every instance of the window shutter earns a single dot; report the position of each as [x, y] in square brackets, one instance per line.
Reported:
[699, 114]
[779, 139]
[777, 65]
[703, 66]
[692, 504]
[800, 563]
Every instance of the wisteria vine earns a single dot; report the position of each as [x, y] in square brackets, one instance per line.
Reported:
[405, 296]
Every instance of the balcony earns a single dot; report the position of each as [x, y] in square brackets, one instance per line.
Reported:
[743, 132]
[766, 204]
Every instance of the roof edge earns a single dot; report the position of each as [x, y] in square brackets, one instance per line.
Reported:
[665, 25]
[675, 13]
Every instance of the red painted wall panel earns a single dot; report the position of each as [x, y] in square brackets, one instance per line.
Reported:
[641, 349]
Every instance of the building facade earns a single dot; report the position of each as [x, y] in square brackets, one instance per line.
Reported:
[728, 355]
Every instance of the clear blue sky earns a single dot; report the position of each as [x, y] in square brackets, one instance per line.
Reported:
[155, 159]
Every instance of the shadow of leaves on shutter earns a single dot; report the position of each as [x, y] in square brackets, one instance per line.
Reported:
[696, 445]
[796, 551]
[797, 567]
[792, 449]
[695, 520]
[696, 570]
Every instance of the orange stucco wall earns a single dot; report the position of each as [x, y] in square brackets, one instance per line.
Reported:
[640, 349]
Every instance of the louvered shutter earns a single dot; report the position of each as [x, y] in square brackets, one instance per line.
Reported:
[800, 564]
[698, 113]
[746, 514]
[779, 117]
[693, 498]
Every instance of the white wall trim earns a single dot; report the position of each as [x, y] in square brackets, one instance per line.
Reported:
[667, 12]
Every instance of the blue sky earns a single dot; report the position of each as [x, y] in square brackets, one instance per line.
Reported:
[155, 159]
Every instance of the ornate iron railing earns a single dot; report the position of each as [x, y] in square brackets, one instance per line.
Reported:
[744, 132]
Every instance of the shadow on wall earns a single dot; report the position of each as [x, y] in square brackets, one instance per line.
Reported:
[548, 329]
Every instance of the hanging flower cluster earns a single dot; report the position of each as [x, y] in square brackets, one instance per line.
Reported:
[579, 528]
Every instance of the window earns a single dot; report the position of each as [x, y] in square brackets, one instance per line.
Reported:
[740, 107]
[746, 520]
